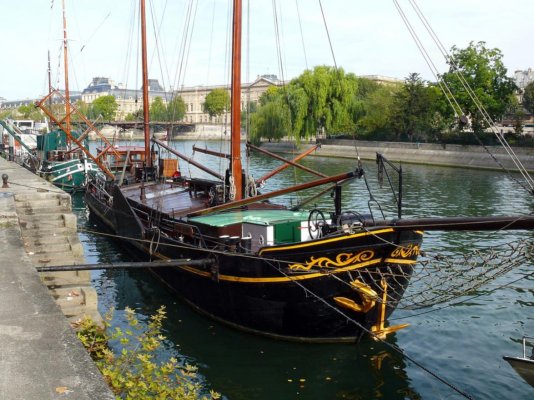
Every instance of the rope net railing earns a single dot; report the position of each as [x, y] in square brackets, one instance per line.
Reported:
[438, 278]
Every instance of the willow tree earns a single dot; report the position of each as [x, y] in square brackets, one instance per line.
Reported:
[483, 70]
[272, 120]
[320, 100]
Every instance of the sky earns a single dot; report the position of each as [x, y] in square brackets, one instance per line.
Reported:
[188, 40]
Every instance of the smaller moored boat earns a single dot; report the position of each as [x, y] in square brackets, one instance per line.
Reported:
[524, 366]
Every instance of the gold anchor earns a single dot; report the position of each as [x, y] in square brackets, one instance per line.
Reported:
[380, 332]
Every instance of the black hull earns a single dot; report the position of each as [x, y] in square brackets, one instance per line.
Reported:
[287, 292]
[524, 367]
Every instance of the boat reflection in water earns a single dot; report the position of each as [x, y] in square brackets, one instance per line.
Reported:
[245, 366]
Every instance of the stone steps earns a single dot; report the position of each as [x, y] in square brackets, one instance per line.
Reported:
[49, 232]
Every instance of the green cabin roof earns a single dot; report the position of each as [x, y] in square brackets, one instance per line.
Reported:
[259, 217]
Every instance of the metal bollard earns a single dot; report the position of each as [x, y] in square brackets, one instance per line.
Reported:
[4, 181]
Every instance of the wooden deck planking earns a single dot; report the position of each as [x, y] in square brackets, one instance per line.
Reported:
[169, 199]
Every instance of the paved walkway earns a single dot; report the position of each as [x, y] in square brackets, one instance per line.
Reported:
[40, 356]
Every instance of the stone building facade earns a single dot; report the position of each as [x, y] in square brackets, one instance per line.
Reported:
[130, 100]
[523, 78]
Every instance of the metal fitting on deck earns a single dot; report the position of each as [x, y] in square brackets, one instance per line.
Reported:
[4, 181]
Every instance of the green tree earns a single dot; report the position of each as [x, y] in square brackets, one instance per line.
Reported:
[270, 121]
[6, 114]
[375, 122]
[158, 110]
[418, 111]
[83, 108]
[106, 106]
[483, 70]
[272, 93]
[528, 98]
[29, 112]
[320, 100]
[217, 102]
[176, 109]
[357, 109]
[135, 116]
[517, 114]
[246, 116]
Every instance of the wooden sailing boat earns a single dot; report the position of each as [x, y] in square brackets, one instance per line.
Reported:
[63, 153]
[315, 275]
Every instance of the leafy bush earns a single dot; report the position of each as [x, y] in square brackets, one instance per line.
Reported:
[134, 373]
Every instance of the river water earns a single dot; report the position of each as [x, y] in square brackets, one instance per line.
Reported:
[461, 341]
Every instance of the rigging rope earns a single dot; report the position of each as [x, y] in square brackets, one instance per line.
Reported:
[474, 97]
[449, 95]
[301, 34]
[328, 35]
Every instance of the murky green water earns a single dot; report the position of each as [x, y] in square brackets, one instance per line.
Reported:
[462, 343]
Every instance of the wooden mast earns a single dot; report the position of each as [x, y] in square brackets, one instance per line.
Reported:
[235, 111]
[66, 64]
[49, 72]
[146, 106]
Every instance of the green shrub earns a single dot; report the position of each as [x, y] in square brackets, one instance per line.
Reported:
[134, 373]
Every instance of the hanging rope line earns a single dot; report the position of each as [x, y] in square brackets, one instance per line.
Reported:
[301, 34]
[433, 68]
[473, 96]
[328, 35]
[466, 300]
[278, 40]
[158, 48]
[95, 31]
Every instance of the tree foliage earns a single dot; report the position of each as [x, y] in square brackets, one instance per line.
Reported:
[217, 102]
[319, 100]
[528, 98]
[374, 120]
[134, 371]
[158, 110]
[270, 121]
[484, 72]
[175, 109]
[83, 108]
[29, 112]
[418, 111]
[104, 105]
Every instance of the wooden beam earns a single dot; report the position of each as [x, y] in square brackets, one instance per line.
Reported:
[285, 165]
[265, 196]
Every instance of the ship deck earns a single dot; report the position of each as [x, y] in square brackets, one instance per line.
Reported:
[177, 200]
[174, 200]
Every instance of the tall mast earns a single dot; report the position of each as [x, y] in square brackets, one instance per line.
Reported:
[49, 79]
[235, 111]
[146, 114]
[66, 63]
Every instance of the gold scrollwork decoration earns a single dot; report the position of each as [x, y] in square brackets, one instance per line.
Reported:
[341, 260]
[406, 252]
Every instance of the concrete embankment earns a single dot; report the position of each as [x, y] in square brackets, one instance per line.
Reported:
[416, 153]
[40, 355]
